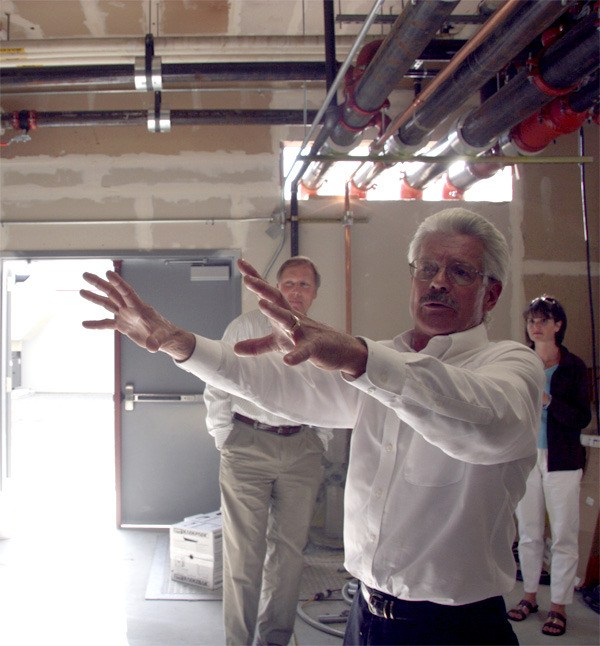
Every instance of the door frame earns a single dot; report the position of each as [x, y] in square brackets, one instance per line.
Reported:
[113, 255]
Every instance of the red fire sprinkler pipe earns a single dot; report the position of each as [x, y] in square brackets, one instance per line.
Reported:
[537, 131]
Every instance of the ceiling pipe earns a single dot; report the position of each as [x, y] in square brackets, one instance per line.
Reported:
[412, 31]
[31, 79]
[330, 65]
[104, 77]
[559, 70]
[503, 45]
[464, 176]
[498, 16]
[30, 120]
[327, 111]
[502, 38]
[560, 117]
[571, 58]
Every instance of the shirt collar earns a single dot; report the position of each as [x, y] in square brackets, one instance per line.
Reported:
[445, 346]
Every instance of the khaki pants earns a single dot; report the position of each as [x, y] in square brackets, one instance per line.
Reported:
[268, 488]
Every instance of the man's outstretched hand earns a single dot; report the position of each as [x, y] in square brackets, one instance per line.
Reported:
[136, 319]
[296, 335]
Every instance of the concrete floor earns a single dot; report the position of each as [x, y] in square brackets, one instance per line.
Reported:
[68, 576]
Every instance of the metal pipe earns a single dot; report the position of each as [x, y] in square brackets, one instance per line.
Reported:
[512, 35]
[294, 243]
[469, 58]
[73, 77]
[327, 102]
[348, 258]
[453, 157]
[586, 96]
[211, 221]
[38, 223]
[413, 29]
[472, 44]
[139, 117]
[330, 56]
[568, 60]
[532, 135]
[541, 128]
[586, 237]
[341, 72]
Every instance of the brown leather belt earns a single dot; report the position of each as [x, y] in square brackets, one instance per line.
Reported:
[259, 426]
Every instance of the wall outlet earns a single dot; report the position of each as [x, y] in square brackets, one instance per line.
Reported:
[590, 440]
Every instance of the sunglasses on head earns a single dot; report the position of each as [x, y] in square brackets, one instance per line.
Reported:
[544, 299]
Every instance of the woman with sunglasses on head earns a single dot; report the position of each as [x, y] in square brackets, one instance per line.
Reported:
[553, 484]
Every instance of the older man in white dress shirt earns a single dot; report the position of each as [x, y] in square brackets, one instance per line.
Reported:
[444, 430]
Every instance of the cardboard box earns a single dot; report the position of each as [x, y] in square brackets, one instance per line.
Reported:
[196, 550]
[189, 568]
[200, 535]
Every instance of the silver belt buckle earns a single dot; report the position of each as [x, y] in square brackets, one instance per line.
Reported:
[378, 605]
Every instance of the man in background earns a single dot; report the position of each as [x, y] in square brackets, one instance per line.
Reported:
[269, 476]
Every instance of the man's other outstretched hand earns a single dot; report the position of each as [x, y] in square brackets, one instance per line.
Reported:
[135, 319]
[299, 337]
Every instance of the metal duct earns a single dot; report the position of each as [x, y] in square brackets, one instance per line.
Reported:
[561, 68]
[411, 32]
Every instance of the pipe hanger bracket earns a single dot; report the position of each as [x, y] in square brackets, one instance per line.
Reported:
[147, 71]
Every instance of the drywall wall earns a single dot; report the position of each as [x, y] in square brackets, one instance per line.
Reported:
[176, 197]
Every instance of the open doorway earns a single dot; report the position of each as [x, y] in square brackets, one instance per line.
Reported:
[60, 462]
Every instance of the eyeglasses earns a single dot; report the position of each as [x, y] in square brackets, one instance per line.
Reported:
[459, 273]
[541, 321]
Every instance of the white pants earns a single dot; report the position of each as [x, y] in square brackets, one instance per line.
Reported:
[556, 492]
[269, 484]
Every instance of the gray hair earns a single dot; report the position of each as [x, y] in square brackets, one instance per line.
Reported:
[300, 260]
[457, 220]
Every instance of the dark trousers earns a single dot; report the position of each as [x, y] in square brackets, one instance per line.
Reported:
[423, 622]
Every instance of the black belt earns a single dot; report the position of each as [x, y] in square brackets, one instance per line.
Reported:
[385, 606]
[259, 426]
[379, 603]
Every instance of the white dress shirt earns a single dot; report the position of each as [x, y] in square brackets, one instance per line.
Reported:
[220, 405]
[442, 445]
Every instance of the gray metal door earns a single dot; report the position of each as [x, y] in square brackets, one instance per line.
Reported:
[168, 466]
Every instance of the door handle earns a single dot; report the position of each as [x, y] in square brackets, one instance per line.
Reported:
[131, 398]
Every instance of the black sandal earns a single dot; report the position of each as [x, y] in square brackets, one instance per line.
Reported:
[556, 624]
[520, 610]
